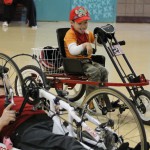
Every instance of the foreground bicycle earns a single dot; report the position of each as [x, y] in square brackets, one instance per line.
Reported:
[99, 130]
[9, 67]
[70, 77]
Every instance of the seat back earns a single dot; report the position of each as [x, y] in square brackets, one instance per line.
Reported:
[61, 32]
[71, 66]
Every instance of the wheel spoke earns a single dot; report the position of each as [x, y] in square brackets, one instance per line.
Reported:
[123, 118]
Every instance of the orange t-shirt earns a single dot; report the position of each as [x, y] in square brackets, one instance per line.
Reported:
[70, 37]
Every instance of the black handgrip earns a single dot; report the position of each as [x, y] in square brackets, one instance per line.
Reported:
[94, 50]
[7, 101]
[120, 43]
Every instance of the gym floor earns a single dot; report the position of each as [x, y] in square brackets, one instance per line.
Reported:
[18, 38]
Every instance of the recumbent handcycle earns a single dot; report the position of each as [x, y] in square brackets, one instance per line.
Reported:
[72, 78]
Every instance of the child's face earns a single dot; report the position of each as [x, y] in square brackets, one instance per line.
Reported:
[80, 27]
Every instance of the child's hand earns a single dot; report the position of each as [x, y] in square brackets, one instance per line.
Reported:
[7, 116]
[89, 48]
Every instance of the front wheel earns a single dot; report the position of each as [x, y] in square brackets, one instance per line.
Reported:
[36, 73]
[143, 99]
[119, 125]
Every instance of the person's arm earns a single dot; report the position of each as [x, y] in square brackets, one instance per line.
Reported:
[7, 116]
[75, 49]
[88, 47]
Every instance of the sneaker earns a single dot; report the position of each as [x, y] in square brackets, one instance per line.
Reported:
[5, 24]
[5, 28]
[34, 27]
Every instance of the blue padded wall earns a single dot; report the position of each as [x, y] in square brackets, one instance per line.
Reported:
[58, 10]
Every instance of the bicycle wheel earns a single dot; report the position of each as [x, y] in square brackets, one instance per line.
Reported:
[36, 73]
[123, 119]
[143, 97]
[74, 94]
[13, 73]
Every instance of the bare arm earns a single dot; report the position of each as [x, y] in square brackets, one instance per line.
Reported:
[7, 116]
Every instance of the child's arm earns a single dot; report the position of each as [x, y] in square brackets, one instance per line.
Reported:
[77, 49]
[88, 47]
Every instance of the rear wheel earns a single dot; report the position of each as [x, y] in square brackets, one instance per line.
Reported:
[122, 119]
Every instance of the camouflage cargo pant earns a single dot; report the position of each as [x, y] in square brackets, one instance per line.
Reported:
[95, 72]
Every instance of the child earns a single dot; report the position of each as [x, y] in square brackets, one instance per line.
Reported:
[77, 39]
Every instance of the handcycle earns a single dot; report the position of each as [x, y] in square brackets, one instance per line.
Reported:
[70, 78]
[94, 130]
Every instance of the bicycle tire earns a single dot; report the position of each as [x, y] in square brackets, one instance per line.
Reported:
[30, 69]
[36, 73]
[127, 123]
[13, 73]
[144, 95]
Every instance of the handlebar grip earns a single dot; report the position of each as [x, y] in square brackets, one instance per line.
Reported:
[122, 42]
[7, 102]
[94, 50]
